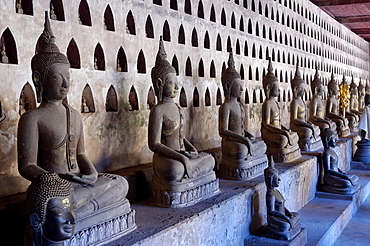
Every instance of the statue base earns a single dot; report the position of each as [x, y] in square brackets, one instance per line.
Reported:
[185, 193]
[310, 144]
[287, 235]
[339, 190]
[260, 238]
[344, 131]
[362, 153]
[242, 169]
[284, 154]
[96, 229]
[354, 128]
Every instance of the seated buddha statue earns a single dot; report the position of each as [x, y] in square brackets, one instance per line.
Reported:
[353, 113]
[361, 96]
[51, 140]
[332, 108]
[309, 134]
[243, 157]
[281, 223]
[281, 142]
[332, 179]
[182, 176]
[317, 108]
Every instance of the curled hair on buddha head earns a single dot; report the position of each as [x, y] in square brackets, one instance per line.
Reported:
[332, 83]
[316, 82]
[270, 172]
[269, 79]
[229, 75]
[46, 187]
[48, 55]
[161, 69]
[297, 81]
[326, 134]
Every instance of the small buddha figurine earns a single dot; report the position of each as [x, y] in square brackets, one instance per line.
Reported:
[309, 134]
[119, 69]
[352, 113]
[281, 142]
[317, 108]
[85, 108]
[19, 7]
[51, 139]
[332, 108]
[4, 58]
[242, 155]
[96, 67]
[281, 223]
[53, 16]
[361, 96]
[179, 169]
[332, 179]
[51, 202]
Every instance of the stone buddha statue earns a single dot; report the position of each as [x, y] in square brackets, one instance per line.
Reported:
[182, 176]
[281, 223]
[332, 108]
[352, 113]
[309, 134]
[281, 142]
[332, 179]
[243, 157]
[317, 108]
[51, 139]
[51, 202]
[361, 96]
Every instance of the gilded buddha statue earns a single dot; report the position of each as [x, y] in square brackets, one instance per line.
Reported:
[182, 176]
[243, 157]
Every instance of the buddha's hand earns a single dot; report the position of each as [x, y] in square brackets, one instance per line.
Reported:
[83, 178]
[187, 166]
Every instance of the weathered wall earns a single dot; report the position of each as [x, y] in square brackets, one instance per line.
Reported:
[119, 139]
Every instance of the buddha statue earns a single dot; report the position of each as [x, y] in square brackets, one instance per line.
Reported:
[243, 157]
[317, 108]
[309, 134]
[182, 176]
[362, 153]
[51, 203]
[332, 108]
[51, 140]
[281, 223]
[332, 179]
[281, 142]
[353, 113]
[361, 96]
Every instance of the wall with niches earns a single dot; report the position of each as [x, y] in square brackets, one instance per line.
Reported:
[97, 35]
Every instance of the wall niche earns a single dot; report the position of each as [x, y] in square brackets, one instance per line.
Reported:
[87, 102]
[133, 100]
[111, 101]
[27, 99]
[183, 99]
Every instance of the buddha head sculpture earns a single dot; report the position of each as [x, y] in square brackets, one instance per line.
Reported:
[52, 208]
[333, 86]
[271, 175]
[270, 82]
[298, 84]
[231, 80]
[328, 138]
[48, 66]
[316, 84]
[163, 75]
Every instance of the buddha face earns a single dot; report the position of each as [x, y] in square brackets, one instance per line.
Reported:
[170, 87]
[300, 90]
[332, 141]
[275, 89]
[56, 85]
[335, 90]
[236, 88]
[275, 180]
[60, 220]
[354, 92]
[320, 90]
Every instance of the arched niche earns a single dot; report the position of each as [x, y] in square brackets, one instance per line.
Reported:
[149, 31]
[237, 51]
[57, 10]
[233, 22]
[183, 99]
[173, 4]
[223, 69]
[166, 32]
[99, 59]
[175, 64]
[130, 24]
[24, 7]
[212, 70]
[207, 98]
[195, 97]
[228, 48]
[2, 114]
[212, 16]
[218, 97]
[261, 96]
[194, 38]
[181, 38]
[141, 64]
[254, 96]
[121, 61]
[8, 48]
[245, 48]
[223, 17]
[73, 54]
[241, 24]
[218, 43]
[133, 100]
[157, 2]
[188, 68]
[206, 41]
[241, 72]
[27, 100]
[150, 101]
[187, 7]
[84, 13]
[200, 10]
[201, 68]
[108, 19]
[87, 102]
[111, 101]
[246, 96]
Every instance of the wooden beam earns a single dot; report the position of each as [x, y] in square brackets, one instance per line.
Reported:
[361, 31]
[353, 19]
[322, 3]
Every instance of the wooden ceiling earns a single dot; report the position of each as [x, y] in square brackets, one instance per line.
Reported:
[354, 14]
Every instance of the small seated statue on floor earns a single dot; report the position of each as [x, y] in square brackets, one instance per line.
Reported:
[332, 179]
[281, 223]
[317, 108]
[51, 140]
[281, 142]
[52, 205]
[309, 134]
[243, 157]
[332, 108]
[182, 176]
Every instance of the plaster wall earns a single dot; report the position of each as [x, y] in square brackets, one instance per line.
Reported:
[119, 139]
